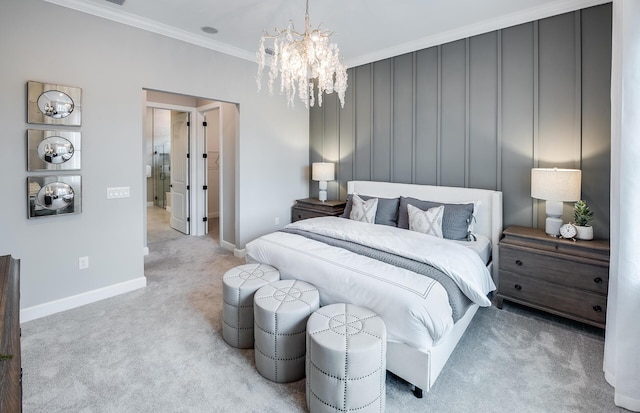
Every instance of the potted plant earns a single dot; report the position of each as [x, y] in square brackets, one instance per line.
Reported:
[582, 215]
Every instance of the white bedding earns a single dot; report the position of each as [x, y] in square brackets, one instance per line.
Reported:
[415, 308]
[481, 246]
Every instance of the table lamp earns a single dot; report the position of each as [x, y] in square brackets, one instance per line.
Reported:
[555, 186]
[322, 172]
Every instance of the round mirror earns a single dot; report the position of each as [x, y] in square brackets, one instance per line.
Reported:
[55, 104]
[56, 195]
[55, 150]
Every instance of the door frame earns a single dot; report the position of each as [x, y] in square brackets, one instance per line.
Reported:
[201, 129]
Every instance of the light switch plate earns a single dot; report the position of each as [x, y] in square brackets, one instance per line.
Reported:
[118, 192]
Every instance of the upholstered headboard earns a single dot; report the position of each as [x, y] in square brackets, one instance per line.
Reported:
[488, 215]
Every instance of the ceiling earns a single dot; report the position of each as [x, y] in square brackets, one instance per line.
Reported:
[365, 30]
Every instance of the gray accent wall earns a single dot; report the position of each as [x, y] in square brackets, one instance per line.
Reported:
[481, 112]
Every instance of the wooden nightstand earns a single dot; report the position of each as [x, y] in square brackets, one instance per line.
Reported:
[560, 276]
[311, 208]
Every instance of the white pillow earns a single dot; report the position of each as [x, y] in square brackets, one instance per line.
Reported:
[427, 222]
[364, 211]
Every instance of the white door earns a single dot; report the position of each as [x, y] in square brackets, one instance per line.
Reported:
[179, 171]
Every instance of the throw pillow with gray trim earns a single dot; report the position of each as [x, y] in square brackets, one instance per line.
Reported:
[427, 222]
[455, 221]
[364, 211]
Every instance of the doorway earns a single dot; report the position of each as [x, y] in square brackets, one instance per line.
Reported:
[210, 163]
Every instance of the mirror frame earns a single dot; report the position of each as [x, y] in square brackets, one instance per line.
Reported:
[35, 161]
[35, 115]
[36, 183]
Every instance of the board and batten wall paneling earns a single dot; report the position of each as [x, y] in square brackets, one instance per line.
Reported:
[345, 168]
[382, 109]
[427, 120]
[363, 101]
[481, 112]
[403, 119]
[596, 110]
[452, 164]
[518, 127]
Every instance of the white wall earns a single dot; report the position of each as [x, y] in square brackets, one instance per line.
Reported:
[112, 63]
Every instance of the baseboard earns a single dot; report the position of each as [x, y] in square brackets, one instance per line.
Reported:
[227, 245]
[239, 253]
[213, 215]
[78, 300]
[149, 204]
[145, 251]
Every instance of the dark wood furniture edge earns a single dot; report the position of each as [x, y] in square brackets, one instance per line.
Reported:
[10, 369]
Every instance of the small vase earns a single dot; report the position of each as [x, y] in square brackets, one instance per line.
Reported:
[584, 233]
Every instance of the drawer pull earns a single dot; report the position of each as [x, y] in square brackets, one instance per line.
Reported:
[518, 262]
[597, 280]
[597, 308]
[517, 287]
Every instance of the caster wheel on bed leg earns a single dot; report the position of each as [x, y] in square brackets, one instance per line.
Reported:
[417, 391]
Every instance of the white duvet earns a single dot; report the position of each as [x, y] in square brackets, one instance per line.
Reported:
[415, 308]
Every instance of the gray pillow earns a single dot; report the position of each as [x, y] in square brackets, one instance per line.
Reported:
[386, 214]
[455, 221]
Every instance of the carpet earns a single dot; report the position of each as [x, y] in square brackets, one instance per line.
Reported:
[160, 349]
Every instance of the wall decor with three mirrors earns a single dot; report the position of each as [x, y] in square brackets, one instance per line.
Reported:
[53, 149]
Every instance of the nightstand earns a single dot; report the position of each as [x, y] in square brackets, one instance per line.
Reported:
[311, 208]
[564, 277]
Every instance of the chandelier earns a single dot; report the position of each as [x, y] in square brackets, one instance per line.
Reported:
[302, 60]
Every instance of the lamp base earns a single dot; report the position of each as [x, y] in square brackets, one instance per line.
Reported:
[553, 222]
[322, 194]
[552, 226]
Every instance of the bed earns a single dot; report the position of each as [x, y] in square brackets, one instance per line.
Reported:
[427, 289]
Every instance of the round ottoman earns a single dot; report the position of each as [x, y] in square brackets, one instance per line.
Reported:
[346, 360]
[281, 310]
[239, 284]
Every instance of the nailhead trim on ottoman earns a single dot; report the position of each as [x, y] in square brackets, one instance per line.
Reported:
[346, 360]
[239, 285]
[281, 310]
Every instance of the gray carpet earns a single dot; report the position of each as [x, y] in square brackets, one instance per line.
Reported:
[160, 349]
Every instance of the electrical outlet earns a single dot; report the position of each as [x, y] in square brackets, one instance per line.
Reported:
[83, 263]
[276, 221]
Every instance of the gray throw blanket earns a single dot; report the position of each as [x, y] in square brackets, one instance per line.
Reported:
[458, 301]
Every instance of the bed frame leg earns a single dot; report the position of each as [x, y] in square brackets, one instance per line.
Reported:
[417, 391]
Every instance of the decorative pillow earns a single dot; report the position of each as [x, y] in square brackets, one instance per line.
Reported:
[364, 211]
[427, 222]
[386, 214]
[455, 221]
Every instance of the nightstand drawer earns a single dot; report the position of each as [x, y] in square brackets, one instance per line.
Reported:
[576, 304]
[555, 268]
[298, 213]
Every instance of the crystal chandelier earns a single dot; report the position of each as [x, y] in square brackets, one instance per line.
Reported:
[302, 60]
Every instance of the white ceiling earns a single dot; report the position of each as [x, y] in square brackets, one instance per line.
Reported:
[365, 30]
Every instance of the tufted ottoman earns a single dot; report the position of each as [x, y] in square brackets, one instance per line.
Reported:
[281, 310]
[346, 360]
[239, 284]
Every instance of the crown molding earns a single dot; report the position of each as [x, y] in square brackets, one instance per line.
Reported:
[524, 16]
[153, 26]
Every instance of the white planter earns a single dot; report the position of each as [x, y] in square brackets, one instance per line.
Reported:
[584, 233]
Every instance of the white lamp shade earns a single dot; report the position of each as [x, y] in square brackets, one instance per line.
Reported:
[553, 184]
[322, 171]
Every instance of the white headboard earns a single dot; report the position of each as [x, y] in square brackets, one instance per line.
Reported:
[488, 215]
